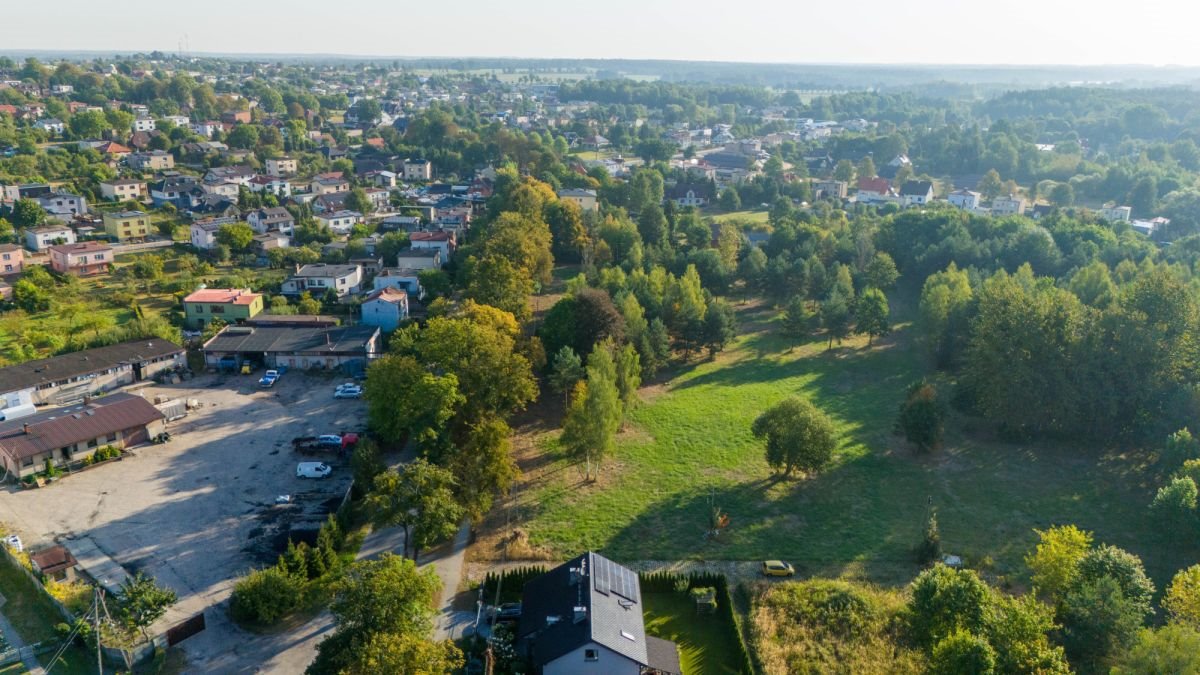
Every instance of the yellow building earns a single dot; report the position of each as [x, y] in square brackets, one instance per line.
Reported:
[125, 225]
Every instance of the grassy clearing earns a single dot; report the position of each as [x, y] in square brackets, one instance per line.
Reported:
[755, 217]
[29, 611]
[704, 644]
[688, 448]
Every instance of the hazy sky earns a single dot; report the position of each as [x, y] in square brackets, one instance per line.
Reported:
[810, 31]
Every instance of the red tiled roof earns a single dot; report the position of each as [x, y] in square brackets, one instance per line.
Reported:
[236, 296]
[430, 236]
[387, 294]
[879, 185]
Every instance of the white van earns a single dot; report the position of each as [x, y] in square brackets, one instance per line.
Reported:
[312, 470]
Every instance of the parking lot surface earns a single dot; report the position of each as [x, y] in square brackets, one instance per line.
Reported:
[200, 510]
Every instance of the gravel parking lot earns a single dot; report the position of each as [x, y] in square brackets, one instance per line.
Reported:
[199, 510]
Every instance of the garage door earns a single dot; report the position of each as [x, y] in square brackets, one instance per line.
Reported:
[136, 436]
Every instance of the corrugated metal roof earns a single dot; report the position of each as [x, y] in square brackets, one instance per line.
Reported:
[292, 339]
[76, 364]
[43, 432]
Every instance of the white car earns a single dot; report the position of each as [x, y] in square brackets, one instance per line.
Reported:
[313, 470]
[348, 390]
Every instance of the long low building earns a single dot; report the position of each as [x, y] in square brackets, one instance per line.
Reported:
[348, 347]
[66, 435]
[66, 378]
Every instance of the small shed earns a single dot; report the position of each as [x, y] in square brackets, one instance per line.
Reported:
[55, 563]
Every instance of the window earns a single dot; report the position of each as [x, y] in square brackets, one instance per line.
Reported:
[591, 655]
[199, 309]
[111, 438]
[217, 309]
[93, 443]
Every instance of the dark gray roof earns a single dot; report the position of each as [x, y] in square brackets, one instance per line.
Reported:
[323, 270]
[613, 618]
[663, 656]
[916, 188]
[76, 364]
[292, 339]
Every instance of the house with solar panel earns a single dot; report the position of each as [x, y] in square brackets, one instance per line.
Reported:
[585, 617]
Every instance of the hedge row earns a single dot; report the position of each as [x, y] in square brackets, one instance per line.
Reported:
[514, 582]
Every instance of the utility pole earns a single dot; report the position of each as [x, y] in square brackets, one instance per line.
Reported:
[96, 628]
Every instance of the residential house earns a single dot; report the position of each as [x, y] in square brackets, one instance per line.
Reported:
[689, 194]
[418, 169]
[124, 225]
[385, 308]
[178, 120]
[383, 178]
[1114, 213]
[370, 264]
[400, 278]
[144, 124]
[81, 259]
[41, 238]
[51, 125]
[113, 151]
[122, 189]
[320, 278]
[236, 117]
[442, 241]
[585, 199]
[231, 305]
[203, 232]
[6, 291]
[835, 189]
[12, 260]
[339, 222]
[291, 344]
[872, 190]
[1149, 227]
[63, 204]
[271, 240]
[586, 616]
[327, 184]
[400, 224]
[1011, 205]
[63, 436]
[154, 160]
[916, 192]
[206, 129]
[179, 191]
[272, 218]
[420, 259]
[281, 166]
[280, 187]
[241, 175]
[967, 200]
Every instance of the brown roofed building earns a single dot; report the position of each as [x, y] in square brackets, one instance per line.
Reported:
[66, 435]
[55, 563]
[81, 259]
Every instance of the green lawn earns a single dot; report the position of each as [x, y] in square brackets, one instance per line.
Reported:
[704, 643]
[756, 217]
[30, 611]
[689, 447]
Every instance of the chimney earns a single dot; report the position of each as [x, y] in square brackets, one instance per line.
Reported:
[580, 614]
[25, 428]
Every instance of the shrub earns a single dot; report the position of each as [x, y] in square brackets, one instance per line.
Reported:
[929, 550]
[837, 607]
[265, 596]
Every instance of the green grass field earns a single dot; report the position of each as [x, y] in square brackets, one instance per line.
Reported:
[688, 447]
[704, 644]
[756, 217]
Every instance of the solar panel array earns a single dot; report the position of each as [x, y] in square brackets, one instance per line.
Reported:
[609, 577]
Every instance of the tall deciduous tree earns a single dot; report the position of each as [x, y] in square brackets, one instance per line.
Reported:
[798, 436]
[420, 497]
[405, 400]
[591, 424]
[835, 317]
[922, 417]
[871, 312]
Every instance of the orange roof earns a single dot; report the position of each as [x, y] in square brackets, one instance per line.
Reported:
[236, 296]
[111, 148]
[388, 294]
